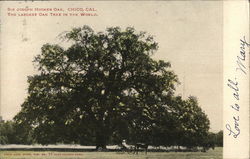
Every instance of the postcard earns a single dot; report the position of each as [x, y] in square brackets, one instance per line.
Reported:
[124, 79]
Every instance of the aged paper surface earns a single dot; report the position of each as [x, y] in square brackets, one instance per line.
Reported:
[203, 41]
[236, 68]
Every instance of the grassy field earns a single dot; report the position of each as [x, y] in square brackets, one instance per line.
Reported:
[211, 154]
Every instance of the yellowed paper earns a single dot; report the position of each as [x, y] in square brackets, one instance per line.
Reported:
[201, 40]
[236, 79]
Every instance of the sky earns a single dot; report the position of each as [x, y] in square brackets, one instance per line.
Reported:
[189, 35]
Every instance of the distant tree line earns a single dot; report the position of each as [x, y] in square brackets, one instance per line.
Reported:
[12, 133]
[102, 89]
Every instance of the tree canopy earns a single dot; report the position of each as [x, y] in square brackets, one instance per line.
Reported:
[106, 86]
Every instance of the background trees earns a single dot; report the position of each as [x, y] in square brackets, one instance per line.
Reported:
[106, 87]
[13, 133]
[7, 132]
[219, 139]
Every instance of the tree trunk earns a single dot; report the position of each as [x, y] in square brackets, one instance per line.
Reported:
[101, 141]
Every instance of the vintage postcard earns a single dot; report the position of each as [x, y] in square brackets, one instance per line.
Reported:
[124, 79]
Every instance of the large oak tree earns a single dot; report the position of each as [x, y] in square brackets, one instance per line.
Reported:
[104, 84]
